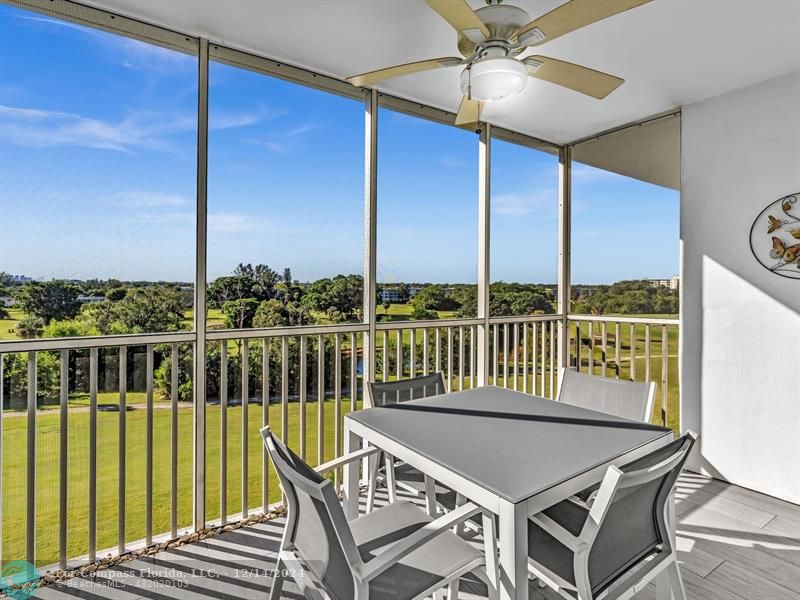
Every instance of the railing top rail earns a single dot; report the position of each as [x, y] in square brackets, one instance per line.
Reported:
[624, 319]
[429, 324]
[108, 341]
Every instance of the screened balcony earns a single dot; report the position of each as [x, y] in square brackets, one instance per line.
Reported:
[132, 464]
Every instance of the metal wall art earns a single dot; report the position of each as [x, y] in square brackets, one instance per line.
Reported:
[775, 237]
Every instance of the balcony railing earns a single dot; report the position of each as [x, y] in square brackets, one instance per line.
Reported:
[99, 447]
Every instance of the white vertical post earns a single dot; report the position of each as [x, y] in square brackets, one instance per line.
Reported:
[200, 275]
[564, 251]
[370, 229]
[484, 228]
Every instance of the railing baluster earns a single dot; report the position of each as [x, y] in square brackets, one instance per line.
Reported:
[284, 395]
[354, 372]
[632, 369]
[544, 358]
[245, 356]
[578, 346]
[148, 484]
[123, 435]
[223, 428]
[495, 353]
[664, 349]
[303, 392]
[516, 358]
[473, 358]
[399, 354]
[174, 374]
[30, 549]
[337, 398]
[385, 355]
[63, 440]
[450, 358]
[320, 399]
[505, 355]
[93, 360]
[617, 348]
[438, 350]
[425, 358]
[265, 348]
[524, 358]
[591, 348]
[413, 358]
[552, 359]
[647, 352]
[460, 358]
[604, 350]
[534, 356]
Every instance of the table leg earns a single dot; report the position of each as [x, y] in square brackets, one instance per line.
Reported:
[513, 532]
[351, 473]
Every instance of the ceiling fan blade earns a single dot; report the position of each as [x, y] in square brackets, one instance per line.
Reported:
[460, 16]
[571, 16]
[469, 111]
[575, 77]
[406, 69]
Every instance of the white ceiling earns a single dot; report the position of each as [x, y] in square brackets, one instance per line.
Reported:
[670, 52]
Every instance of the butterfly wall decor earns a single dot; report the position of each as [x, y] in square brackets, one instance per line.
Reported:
[775, 237]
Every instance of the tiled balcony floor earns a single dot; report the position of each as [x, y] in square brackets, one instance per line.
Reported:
[734, 544]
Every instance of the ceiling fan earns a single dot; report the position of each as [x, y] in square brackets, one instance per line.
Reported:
[490, 40]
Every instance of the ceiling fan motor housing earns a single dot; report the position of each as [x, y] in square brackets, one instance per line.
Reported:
[502, 20]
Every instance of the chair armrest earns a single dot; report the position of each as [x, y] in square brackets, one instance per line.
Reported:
[558, 532]
[407, 545]
[347, 458]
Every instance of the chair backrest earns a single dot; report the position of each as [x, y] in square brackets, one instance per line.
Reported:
[631, 524]
[316, 528]
[628, 399]
[402, 390]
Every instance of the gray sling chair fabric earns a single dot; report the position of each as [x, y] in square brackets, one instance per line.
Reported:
[396, 552]
[583, 551]
[627, 399]
[381, 394]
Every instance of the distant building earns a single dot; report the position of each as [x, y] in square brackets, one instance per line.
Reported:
[672, 283]
[7, 301]
[90, 299]
[20, 279]
[391, 295]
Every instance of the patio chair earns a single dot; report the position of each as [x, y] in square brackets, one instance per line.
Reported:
[621, 541]
[400, 474]
[628, 399]
[396, 552]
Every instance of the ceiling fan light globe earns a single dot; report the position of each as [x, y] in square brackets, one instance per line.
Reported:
[493, 79]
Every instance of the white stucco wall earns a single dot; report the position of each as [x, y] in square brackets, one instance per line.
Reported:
[740, 328]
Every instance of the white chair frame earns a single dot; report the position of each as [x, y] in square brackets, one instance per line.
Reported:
[364, 572]
[391, 482]
[647, 409]
[581, 545]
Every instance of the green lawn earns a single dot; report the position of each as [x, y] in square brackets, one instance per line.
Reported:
[47, 442]
[7, 331]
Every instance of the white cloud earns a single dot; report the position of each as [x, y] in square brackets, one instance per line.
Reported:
[287, 140]
[451, 161]
[521, 205]
[39, 128]
[229, 120]
[583, 174]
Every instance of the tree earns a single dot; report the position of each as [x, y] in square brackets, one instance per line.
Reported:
[386, 306]
[274, 313]
[151, 309]
[29, 327]
[3, 313]
[287, 276]
[102, 316]
[247, 281]
[423, 314]
[49, 300]
[116, 294]
[239, 313]
[339, 298]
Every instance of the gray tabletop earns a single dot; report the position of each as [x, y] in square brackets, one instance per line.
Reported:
[513, 444]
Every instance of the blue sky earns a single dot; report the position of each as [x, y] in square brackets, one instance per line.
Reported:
[97, 178]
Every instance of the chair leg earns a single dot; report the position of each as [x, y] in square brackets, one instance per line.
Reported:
[372, 484]
[669, 584]
[430, 496]
[460, 527]
[277, 580]
[452, 589]
[391, 484]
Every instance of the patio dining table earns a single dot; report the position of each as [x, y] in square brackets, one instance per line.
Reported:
[511, 453]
